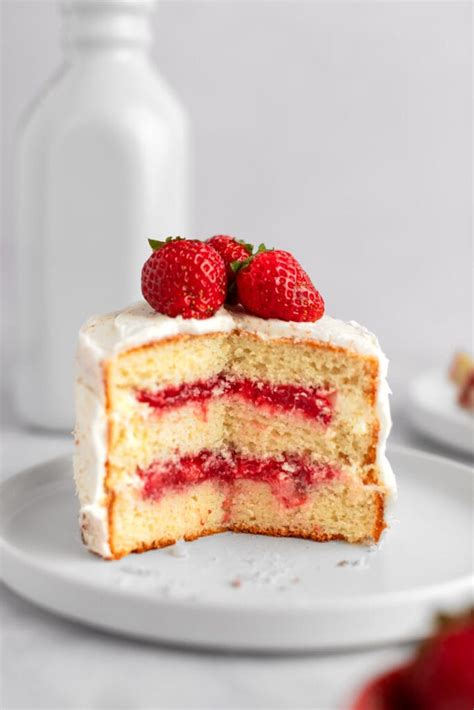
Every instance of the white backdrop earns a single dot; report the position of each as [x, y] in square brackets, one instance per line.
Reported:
[340, 130]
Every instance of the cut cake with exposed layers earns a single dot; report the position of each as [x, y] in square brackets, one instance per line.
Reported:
[191, 427]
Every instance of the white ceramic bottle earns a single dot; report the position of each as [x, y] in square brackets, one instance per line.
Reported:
[101, 166]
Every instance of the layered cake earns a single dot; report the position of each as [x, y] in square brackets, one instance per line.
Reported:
[220, 419]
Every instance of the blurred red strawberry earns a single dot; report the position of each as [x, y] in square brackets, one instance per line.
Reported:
[441, 677]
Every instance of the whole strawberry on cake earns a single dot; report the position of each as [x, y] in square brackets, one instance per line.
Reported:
[228, 400]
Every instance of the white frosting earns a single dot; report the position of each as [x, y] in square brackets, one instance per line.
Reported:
[103, 337]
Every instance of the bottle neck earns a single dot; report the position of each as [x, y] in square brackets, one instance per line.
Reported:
[117, 27]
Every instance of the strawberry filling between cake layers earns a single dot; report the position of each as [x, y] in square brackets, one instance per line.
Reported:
[290, 477]
[311, 402]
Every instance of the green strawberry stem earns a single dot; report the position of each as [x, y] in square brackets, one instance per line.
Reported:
[237, 266]
[246, 245]
[157, 244]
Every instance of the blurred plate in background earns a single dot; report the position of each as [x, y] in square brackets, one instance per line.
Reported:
[245, 592]
[435, 412]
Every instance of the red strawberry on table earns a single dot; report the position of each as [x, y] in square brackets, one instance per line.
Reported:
[184, 277]
[272, 284]
[231, 250]
[442, 676]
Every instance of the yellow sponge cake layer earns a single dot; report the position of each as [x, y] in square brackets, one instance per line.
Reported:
[144, 437]
[333, 512]
[183, 358]
[139, 433]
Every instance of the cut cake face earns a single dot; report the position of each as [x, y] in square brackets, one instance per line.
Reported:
[190, 427]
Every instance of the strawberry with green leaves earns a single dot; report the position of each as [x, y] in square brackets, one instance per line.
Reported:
[192, 279]
[272, 284]
[184, 277]
[232, 251]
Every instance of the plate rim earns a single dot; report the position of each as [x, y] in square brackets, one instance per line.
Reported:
[299, 627]
[458, 419]
[385, 599]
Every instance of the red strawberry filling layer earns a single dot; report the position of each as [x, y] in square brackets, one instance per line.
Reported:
[290, 477]
[312, 402]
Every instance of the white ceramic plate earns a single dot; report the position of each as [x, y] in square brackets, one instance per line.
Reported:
[435, 412]
[250, 592]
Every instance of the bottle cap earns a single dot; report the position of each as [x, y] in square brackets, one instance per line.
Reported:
[107, 21]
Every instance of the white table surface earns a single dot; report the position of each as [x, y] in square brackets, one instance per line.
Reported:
[48, 662]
